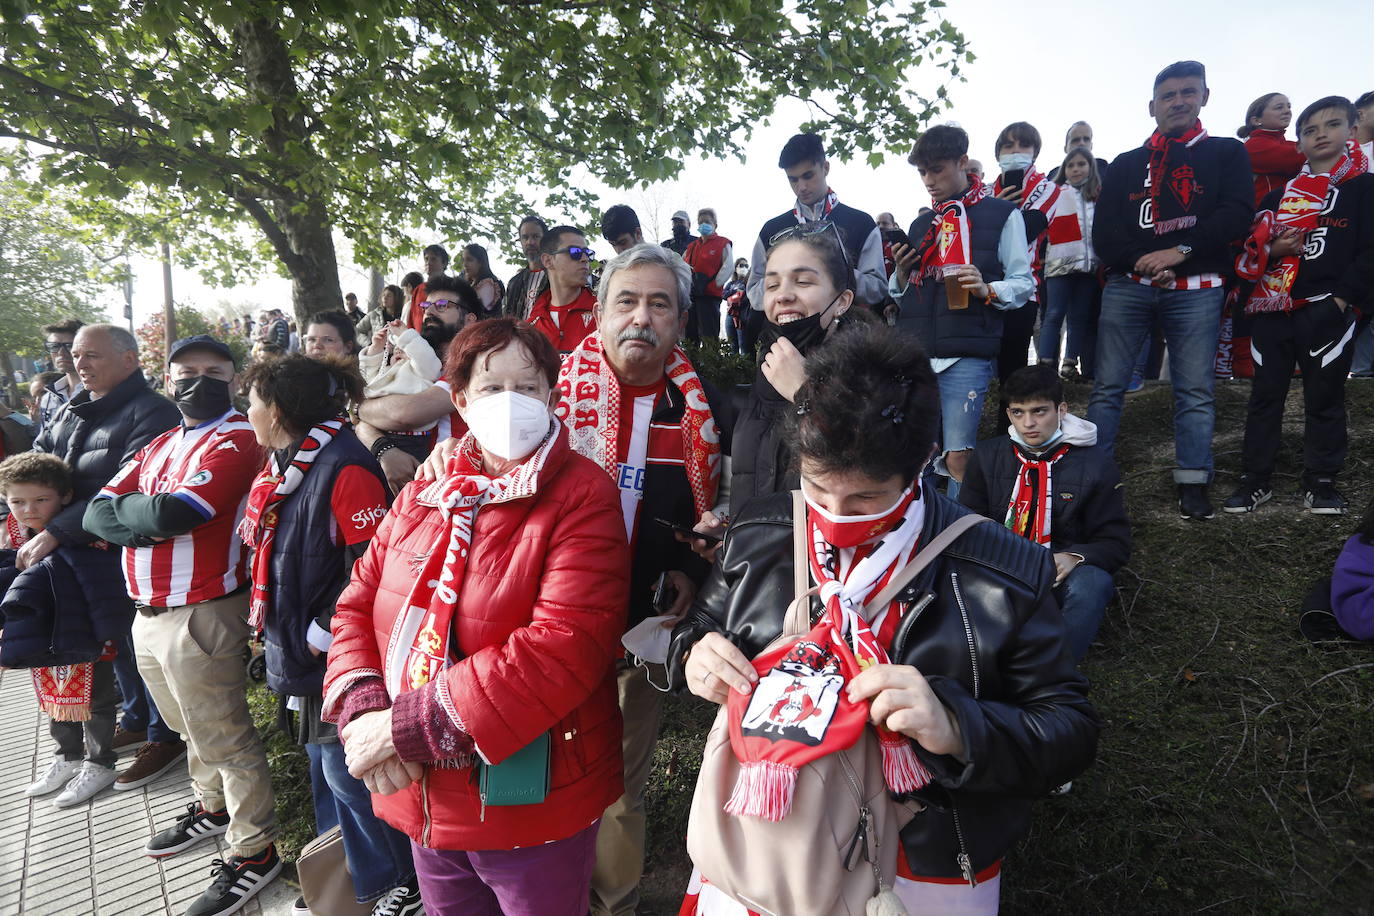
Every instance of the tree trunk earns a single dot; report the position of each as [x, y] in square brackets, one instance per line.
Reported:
[297, 225]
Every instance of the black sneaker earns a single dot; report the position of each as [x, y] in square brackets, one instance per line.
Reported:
[195, 825]
[1321, 497]
[1248, 497]
[236, 882]
[401, 900]
[1193, 503]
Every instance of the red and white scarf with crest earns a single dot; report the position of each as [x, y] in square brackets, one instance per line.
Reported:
[948, 242]
[590, 407]
[1303, 200]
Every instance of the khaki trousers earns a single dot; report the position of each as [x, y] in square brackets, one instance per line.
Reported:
[620, 841]
[192, 659]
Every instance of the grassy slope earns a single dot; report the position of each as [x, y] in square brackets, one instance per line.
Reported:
[1235, 770]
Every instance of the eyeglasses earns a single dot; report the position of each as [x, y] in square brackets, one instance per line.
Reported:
[441, 305]
[577, 252]
[806, 230]
[53, 346]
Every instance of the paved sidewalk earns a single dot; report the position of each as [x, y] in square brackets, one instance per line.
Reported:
[89, 859]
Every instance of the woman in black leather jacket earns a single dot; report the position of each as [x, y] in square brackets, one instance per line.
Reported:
[980, 678]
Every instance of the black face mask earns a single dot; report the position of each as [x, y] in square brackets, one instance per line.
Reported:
[203, 397]
[804, 333]
[679, 232]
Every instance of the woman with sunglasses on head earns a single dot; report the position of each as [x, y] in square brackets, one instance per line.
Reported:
[808, 297]
[310, 515]
[963, 669]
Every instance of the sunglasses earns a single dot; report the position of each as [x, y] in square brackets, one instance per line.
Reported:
[441, 305]
[577, 252]
[54, 346]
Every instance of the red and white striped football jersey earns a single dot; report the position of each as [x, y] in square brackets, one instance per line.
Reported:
[209, 467]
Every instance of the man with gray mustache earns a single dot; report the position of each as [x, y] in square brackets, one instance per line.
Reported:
[633, 403]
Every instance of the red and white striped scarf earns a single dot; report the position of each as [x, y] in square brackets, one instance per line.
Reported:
[1032, 496]
[827, 203]
[590, 407]
[1302, 202]
[418, 648]
[258, 528]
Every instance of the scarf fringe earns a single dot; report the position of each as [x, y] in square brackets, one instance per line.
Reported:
[460, 762]
[764, 789]
[62, 712]
[1164, 227]
[902, 769]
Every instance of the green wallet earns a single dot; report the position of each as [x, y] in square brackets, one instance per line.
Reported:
[521, 779]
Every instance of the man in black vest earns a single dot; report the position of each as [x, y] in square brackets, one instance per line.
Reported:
[1165, 221]
[992, 271]
[808, 172]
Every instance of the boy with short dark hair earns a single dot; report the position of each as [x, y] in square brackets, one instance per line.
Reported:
[77, 690]
[967, 265]
[1048, 481]
[1311, 257]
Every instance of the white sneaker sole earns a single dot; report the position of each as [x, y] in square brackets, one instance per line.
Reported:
[64, 802]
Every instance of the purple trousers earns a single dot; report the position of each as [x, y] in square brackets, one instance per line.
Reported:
[549, 880]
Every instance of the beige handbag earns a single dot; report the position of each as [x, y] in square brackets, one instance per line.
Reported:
[835, 854]
[325, 880]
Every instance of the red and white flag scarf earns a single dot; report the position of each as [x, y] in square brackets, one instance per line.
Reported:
[798, 710]
[1032, 496]
[1040, 194]
[63, 691]
[258, 528]
[948, 241]
[590, 407]
[1302, 202]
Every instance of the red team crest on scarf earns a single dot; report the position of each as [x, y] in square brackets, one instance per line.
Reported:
[798, 712]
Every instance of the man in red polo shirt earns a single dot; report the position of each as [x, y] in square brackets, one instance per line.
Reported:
[174, 507]
[564, 310]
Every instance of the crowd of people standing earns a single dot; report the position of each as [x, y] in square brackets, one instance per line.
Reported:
[485, 528]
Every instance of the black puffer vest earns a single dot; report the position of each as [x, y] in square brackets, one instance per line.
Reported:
[977, 330]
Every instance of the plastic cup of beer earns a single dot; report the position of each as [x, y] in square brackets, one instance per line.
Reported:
[955, 293]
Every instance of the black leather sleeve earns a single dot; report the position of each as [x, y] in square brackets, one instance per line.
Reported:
[1041, 731]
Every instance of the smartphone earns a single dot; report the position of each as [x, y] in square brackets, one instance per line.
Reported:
[1013, 179]
[688, 532]
[896, 237]
[664, 594]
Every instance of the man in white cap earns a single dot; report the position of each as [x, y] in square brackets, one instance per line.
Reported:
[682, 233]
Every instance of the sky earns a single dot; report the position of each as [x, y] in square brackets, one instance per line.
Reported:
[1051, 63]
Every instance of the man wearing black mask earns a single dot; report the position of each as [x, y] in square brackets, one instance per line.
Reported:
[174, 508]
[682, 234]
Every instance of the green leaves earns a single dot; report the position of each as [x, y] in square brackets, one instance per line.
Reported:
[396, 115]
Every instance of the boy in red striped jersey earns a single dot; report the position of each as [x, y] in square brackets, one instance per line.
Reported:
[174, 508]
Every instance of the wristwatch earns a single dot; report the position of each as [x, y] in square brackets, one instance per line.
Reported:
[1184, 250]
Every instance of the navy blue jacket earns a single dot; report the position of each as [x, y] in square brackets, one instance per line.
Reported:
[308, 570]
[61, 610]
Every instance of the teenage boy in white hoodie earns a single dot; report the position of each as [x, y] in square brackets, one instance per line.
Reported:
[1048, 481]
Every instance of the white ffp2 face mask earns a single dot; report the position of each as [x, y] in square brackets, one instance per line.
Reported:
[1011, 162]
[508, 424]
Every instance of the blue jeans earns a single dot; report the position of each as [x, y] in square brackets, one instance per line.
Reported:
[1191, 320]
[1069, 300]
[137, 709]
[378, 854]
[962, 389]
[1083, 597]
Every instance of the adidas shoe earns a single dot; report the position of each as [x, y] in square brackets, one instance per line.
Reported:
[1322, 498]
[1247, 497]
[236, 882]
[195, 825]
[401, 900]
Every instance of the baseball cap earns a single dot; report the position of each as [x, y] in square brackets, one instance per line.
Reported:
[682, 215]
[200, 342]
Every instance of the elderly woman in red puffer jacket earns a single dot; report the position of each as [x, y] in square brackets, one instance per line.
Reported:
[483, 622]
